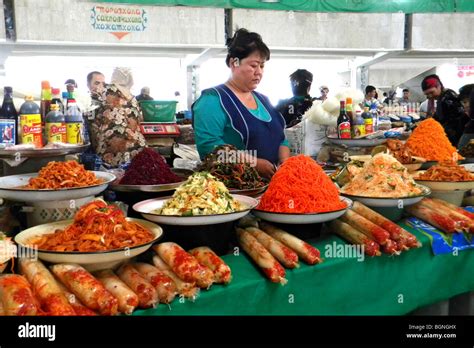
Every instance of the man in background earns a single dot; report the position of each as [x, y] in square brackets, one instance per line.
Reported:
[95, 79]
[324, 93]
[144, 94]
[405, 99]
[370, 99]
[294, 108]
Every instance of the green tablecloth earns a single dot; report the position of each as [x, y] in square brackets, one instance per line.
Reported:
[386, 285]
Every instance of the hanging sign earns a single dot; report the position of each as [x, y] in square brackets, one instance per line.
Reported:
[465, 71]
[119, 21]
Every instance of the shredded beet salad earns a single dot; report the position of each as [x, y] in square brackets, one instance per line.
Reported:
[149, 168]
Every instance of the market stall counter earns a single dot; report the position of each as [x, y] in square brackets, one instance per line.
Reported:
[384, 285]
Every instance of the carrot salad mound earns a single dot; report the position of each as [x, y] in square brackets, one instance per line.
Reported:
[429, 141]
[301, 186]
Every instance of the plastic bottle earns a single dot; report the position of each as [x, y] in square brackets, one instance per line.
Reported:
[375, 117]
[343, 123]
[65, 96]
[57, 99]
[46, 97]
[30, 123]
[55, 125]
[358, 127]
[368, 121]
[8, 119]
[74, 124]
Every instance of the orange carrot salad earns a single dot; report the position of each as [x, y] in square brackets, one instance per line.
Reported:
[301, 186]
[96, 227]
[58, 175]
[429, 141]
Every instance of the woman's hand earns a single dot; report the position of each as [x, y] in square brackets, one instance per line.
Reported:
[265, 168]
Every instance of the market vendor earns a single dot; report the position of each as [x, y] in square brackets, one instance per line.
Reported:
[449, 110]
[234, 113]
[294, 108]
[115, 125]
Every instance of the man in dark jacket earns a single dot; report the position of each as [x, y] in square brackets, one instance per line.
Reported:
[449, 110]
[294, 108]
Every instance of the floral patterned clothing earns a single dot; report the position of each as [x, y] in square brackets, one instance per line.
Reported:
[115, 127]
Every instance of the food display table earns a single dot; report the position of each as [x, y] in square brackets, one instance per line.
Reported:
[385, 285]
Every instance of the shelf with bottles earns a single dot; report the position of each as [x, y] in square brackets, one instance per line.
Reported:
[56, 123]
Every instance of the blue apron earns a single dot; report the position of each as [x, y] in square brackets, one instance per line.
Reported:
[263, 137]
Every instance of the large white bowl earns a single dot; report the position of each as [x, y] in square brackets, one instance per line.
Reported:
[299, 219]
[447, 185]
[389, 202]
[92, 261]
[453, 197]
[10, 189]
[146, 208]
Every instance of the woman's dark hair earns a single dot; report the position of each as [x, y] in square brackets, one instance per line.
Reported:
[431, 81]
[369, 89]
[243, 44]
[465, 91]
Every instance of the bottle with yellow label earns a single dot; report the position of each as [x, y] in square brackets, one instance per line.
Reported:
[55, 125]
[30, 129]
[74, 124]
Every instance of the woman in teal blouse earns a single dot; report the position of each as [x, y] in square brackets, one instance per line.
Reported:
[234, 113]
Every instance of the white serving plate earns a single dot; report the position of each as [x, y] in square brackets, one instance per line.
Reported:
[389, 202]
[299, 219]
[146, 208]
[9, 189]
[447, 185]
[357, 142]
[92, 261]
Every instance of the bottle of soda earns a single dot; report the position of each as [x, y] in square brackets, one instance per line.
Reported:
[375, 117]
[74, 124]
[55, 125]
[358, 128]
[344, 124]
[8, 119]
[57, 99]
[30, 123]
[368, 121]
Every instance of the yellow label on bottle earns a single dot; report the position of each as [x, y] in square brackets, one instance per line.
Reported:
[359, 130]
[56, 132]
[31, 130]
[74, 133]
